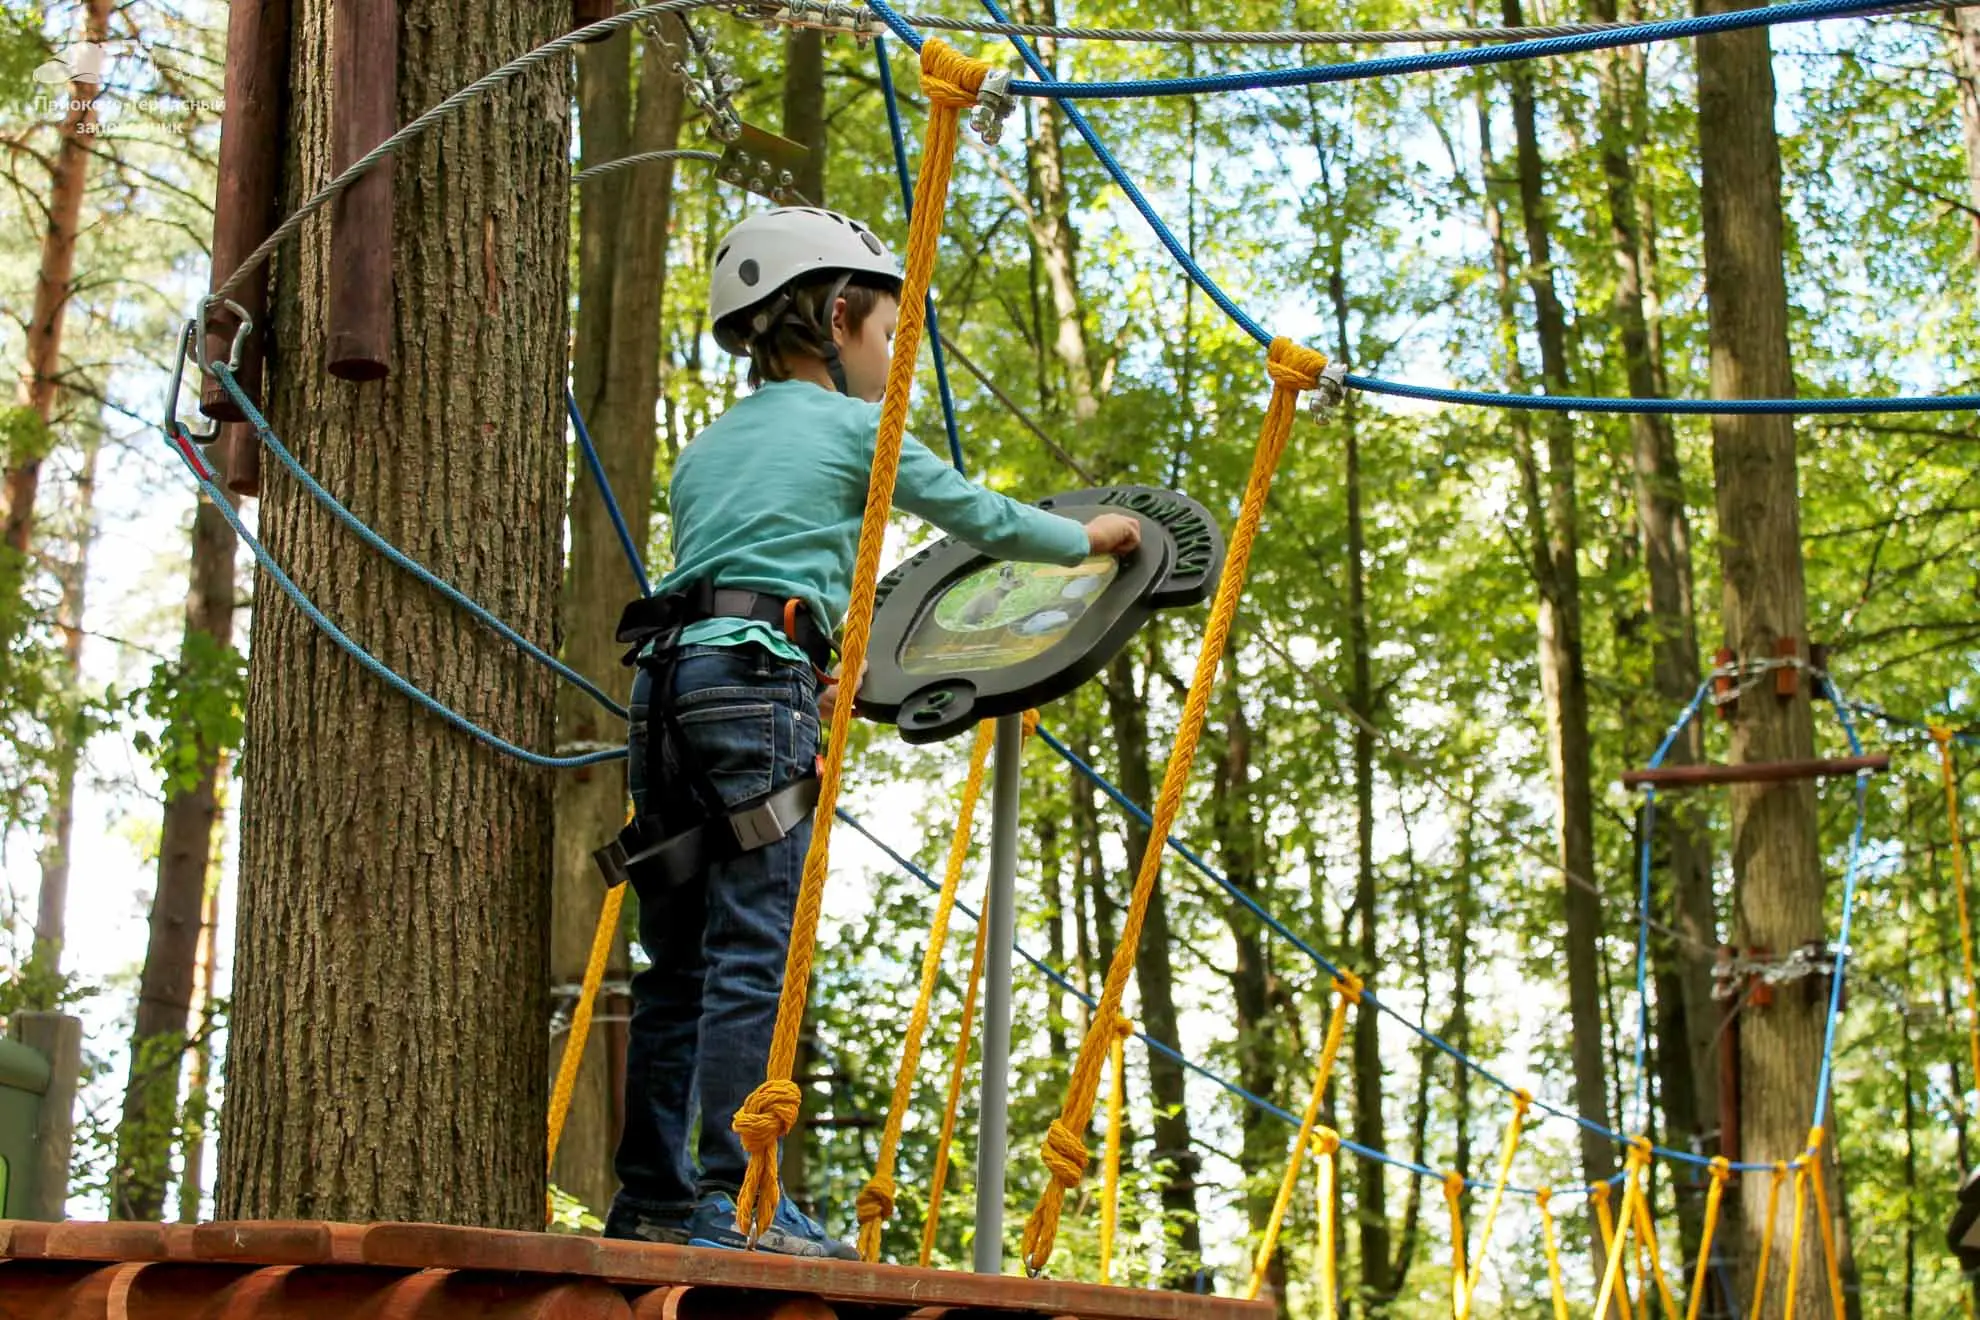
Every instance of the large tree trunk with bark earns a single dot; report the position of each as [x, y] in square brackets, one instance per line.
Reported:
[40, 378]
[804, 107]
[1965, 24]
[1154, 979]
[1777, 864]
[388, 1055]
[185, 857]
[1055, 241]
[622, 267]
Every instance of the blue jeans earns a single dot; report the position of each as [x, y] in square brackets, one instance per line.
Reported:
[704, 1011]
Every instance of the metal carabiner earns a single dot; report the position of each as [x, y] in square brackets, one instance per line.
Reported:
[186, 338]
[241, 333]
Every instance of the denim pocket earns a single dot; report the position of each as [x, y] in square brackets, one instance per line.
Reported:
[734, 744]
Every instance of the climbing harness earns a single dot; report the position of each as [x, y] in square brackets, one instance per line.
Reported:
[672, 854]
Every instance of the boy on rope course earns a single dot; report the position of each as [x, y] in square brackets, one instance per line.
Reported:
[732, 653]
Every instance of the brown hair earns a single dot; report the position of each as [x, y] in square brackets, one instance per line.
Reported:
[804, 328]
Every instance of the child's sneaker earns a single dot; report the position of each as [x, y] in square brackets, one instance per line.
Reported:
[791, 1233]
[638, 1228]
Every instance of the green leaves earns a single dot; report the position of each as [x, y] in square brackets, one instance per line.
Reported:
[198, 697]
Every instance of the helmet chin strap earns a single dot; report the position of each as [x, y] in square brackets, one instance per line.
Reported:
[834, 367]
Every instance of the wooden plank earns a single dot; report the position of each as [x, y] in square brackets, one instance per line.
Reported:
[364, 85]
[251, 126]
[23, 1240]
[59, 1290]
[242, 470]
[450, 1247]
[168, 1290]
[1759, 772]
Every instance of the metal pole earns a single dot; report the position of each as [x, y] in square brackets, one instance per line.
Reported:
[1000, 929]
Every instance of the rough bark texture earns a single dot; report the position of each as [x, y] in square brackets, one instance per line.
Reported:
[622, 271]
[54, 281]
[193, 1130]
[1056, 244]
[1966, 64]
[1155, 981]
[804, 106]
[1554, 530]
[1777, 866]
[171, 954]
[387, 1048]
[59, 828]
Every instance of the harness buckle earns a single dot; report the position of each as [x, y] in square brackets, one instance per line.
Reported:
[766, 822]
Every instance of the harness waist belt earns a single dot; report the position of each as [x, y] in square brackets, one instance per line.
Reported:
[656, 616]
[755, 823]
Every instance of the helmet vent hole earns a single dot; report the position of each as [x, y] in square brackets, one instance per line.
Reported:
[872, 243]
[748, 272]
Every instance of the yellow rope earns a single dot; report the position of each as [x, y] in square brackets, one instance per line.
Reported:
[1292, 369]
[939, 1179]
[580, 1032]
[1639, 1156]
[1541, 1196]
[1824, 1222]
[1794, 1241]
[1775, 1179]
[1598, 1196]
[1347, 990]
[1454, 1199]
[1325, 1142]
[1110, 1166]
[949, 80]
[875, 1204]
[1721, 1170]
[1522, 1104]
[1944, 736]
[1646, 1238]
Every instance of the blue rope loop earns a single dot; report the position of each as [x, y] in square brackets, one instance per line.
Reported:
[596, 467]
[188, 453]
[1799, 11]
[399, 558]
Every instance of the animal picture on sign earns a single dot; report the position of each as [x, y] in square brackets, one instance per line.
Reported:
[1004, 614]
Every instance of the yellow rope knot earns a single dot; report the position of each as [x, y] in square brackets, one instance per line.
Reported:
[1721, 1168]
[1815, 1135]
[1346, 984]
[1065, 1155]
[1293, 366]
[1598, 1193]
[1523, 1102]
[1639, 1151]
[1031, 721]
[876, 1201]
[1123, 1027]
[1453, 1186]
[768, 1116]
[1326, 1141]
[949, 77]
[1542, 1195]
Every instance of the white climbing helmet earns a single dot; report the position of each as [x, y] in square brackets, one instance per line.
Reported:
[770, 251]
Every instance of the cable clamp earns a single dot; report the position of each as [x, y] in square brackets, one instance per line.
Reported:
[1328, 390]
[994, 104]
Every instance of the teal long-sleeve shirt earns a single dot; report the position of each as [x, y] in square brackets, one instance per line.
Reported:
[769, 498]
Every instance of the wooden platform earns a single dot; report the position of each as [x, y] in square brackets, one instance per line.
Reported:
[316, 1271]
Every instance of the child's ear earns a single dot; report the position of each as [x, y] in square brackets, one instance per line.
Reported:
[838, 317]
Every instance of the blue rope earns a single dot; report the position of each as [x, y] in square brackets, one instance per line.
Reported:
[1850, 873]
[1434, 394]
[1636, 34]
[907, 207]
[183, 445]
[266, 434]
[1163, 1048]
[597, 468]
[1882, 716]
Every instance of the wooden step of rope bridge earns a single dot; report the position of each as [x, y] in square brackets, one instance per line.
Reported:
[1755, 772]
[318, 1271]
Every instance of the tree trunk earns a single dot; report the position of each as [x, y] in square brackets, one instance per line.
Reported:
[622, 265]
[1553, 531]
[40, 377]
[388, 1055]
[192, 1161]
[150, 1118]
[1777, 865]
[804, 106]
[1056, 242]
[58, 830]
[1156, 984]
[1966, 66]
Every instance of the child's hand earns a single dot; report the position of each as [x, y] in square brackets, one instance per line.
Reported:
[1112, 534]
[828, 696]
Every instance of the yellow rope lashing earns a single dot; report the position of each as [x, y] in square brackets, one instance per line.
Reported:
[938, 1181]
[1292, 369]
[1454, 1199]
[950, 81]
[1633, 1166]
[1824, 1221]
[1598, 1196]
[1943, 736]
[1646, 1237]
[1347, 990]
[875, 1204]
[1110, 1166]
[1326, 1141]
[1522, 1105]
[1775, 1179]
[1721, 1170]
[580, 1033]
[1551, 1240]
